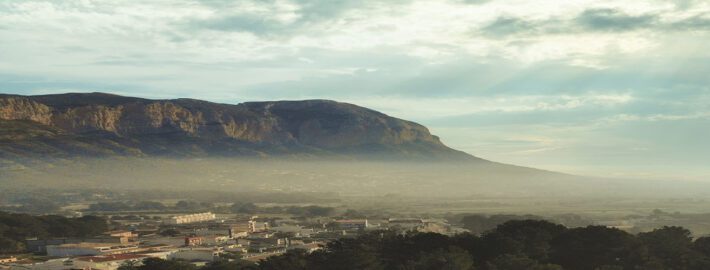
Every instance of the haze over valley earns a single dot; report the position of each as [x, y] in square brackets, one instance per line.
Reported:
[354, 135]
[104, 141]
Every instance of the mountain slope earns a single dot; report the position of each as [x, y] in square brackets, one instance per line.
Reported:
[98, 124]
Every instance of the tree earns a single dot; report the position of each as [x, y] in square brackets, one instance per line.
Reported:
[594, 246]
[547, 266]
[533, 235]
[354, 254]
[494, 244]
[453, 258]
[170, 232]
[512, 262]
[8, 245]
[478, 224]
[230, 265]
[671, 245]
[188, 205]
[91, 226]
[609, 267]
[149, 205]
[160, 264]
[109, 206]
[15, 228]
[244, 208]
[702, 245]
[293, 259]
[128, 265]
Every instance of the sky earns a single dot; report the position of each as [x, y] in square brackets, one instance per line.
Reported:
[602, 88]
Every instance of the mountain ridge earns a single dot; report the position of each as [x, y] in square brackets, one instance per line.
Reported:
[101, 124]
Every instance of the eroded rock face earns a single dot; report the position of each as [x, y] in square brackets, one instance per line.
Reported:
[331, 124]
[20, 108]
[158, 118]
[88, 118]
[313, 123]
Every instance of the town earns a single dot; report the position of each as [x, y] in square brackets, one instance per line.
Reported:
[204, 237]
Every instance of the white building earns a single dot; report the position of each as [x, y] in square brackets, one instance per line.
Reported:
[352, 224]
[102, 262]
[239, 230]
[296, 230]
[54, 264]
[88, 249]
[256, 225]
[405, 224]
[192, 218]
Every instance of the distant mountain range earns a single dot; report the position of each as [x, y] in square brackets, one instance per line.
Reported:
[100, 125]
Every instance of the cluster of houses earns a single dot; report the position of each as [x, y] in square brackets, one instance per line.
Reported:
[202, 238]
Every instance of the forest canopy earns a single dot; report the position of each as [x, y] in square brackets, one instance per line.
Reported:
[513, 245]
[16, 228]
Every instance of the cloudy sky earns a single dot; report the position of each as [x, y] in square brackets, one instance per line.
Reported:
[607, 88]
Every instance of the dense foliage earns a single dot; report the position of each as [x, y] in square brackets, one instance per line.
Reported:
[15, 228]
[514, 245]
[159, 264]
[478, 224]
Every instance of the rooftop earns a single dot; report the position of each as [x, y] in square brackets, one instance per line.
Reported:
[101, 246]
[351, 221]
[109, 258]
[87, 245]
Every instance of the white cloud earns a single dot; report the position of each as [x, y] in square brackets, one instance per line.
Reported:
[616, 119]
[428, 108]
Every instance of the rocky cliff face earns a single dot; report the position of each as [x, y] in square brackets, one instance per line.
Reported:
[117, 124]
[20, 108]
[331, 125]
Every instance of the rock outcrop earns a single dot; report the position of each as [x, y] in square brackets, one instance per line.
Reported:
[21, 108]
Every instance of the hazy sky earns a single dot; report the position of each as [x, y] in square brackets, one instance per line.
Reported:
[610, 88]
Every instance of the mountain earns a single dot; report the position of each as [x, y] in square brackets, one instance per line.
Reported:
[97, 140]
[100, 125]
